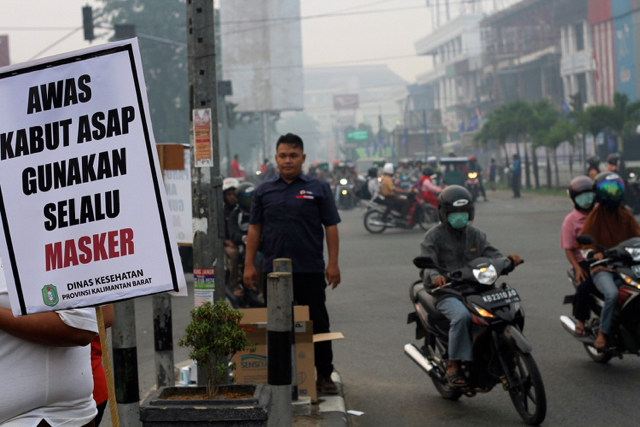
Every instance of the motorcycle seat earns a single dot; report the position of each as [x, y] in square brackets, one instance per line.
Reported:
[427, 301]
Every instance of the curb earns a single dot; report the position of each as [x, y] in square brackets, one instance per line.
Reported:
[332, 408]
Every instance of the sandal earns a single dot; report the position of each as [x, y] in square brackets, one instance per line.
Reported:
[600, 345]
[580, 332]
[456, 379]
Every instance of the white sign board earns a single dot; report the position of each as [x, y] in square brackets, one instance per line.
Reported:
[177, 184]
[83, 213]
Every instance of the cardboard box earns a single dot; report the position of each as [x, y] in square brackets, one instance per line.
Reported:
[252, 367]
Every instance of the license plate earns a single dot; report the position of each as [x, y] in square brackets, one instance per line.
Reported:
[500, 298]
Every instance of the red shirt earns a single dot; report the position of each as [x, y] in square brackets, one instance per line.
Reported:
[100, 393]
[235, 170]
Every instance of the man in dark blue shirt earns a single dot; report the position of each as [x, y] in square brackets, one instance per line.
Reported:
[290, 214]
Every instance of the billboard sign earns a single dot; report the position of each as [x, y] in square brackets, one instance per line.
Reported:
[625, 70]
[346, 102]
[264, 61]
[83, 214]
[358, 136]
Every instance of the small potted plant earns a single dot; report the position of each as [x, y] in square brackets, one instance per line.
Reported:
[214, 336]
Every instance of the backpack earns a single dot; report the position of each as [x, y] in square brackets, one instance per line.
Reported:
[363, 191]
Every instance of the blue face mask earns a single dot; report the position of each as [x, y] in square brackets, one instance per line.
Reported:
[458, 220]
[585, 200]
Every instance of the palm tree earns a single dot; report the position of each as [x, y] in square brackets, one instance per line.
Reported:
[561, 131]
[520, 116]
[544, 116]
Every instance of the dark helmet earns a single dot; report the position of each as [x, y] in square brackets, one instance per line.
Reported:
[455, 198]
[580, 185]
[428, 171]
[594, 161]
[609, 188]
[372, 173]
[612, 159]
[244, 194]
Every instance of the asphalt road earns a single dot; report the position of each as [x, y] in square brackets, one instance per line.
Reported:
[370, 307]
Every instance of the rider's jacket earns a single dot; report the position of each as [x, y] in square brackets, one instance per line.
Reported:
[453, 249]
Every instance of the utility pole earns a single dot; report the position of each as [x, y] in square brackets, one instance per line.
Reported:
[206, 182]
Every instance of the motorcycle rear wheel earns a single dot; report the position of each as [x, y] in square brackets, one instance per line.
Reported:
[529, 388]
[445, 390]
[374, 215]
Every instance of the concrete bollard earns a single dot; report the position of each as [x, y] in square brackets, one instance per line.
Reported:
[279, 337]
[125, 363]
[283, 265]
[163, 340]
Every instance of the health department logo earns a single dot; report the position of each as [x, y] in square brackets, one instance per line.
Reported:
[253, 361]
[50, 295]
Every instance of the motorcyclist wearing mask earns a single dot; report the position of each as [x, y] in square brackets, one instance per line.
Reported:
[452, 244]
[389, 194]
[239, 226]
[609, 223]
[581, 193]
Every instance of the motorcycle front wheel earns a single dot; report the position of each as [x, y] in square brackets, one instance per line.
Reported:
[427, 217]
[527, 395]
[373, 222]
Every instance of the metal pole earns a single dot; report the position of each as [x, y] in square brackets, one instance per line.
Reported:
[283, 265]
[279, 320]
[125, 363]
[426, 137]
[265, 134]
[206, 182]
[163, 340]
[225, 130]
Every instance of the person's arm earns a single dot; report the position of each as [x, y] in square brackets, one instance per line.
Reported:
[44, 328]
[253, 242]
[108, 315]
[428, 249]
[333, 247]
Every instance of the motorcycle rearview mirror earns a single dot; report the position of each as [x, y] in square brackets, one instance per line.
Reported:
[584, 239]
[424, 262]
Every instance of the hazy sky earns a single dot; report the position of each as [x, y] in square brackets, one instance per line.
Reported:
[357, 36]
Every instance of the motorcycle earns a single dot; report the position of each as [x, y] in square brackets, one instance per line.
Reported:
[624, 260]
[251, 297]
[501, 353]
[344, 194]
[420, 213]
[472, 184]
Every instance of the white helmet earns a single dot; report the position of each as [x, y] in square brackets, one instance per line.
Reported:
[229, 184]
[388, 168]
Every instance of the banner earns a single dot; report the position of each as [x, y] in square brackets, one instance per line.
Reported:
[83, 215]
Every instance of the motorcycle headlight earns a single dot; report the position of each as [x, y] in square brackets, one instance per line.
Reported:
[473, 175]
[634, 252]
[629, 281]
[343, 181]
[344, 192]
[486, 275]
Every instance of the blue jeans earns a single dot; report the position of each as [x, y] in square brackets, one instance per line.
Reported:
[605, 284]
[460, 323]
